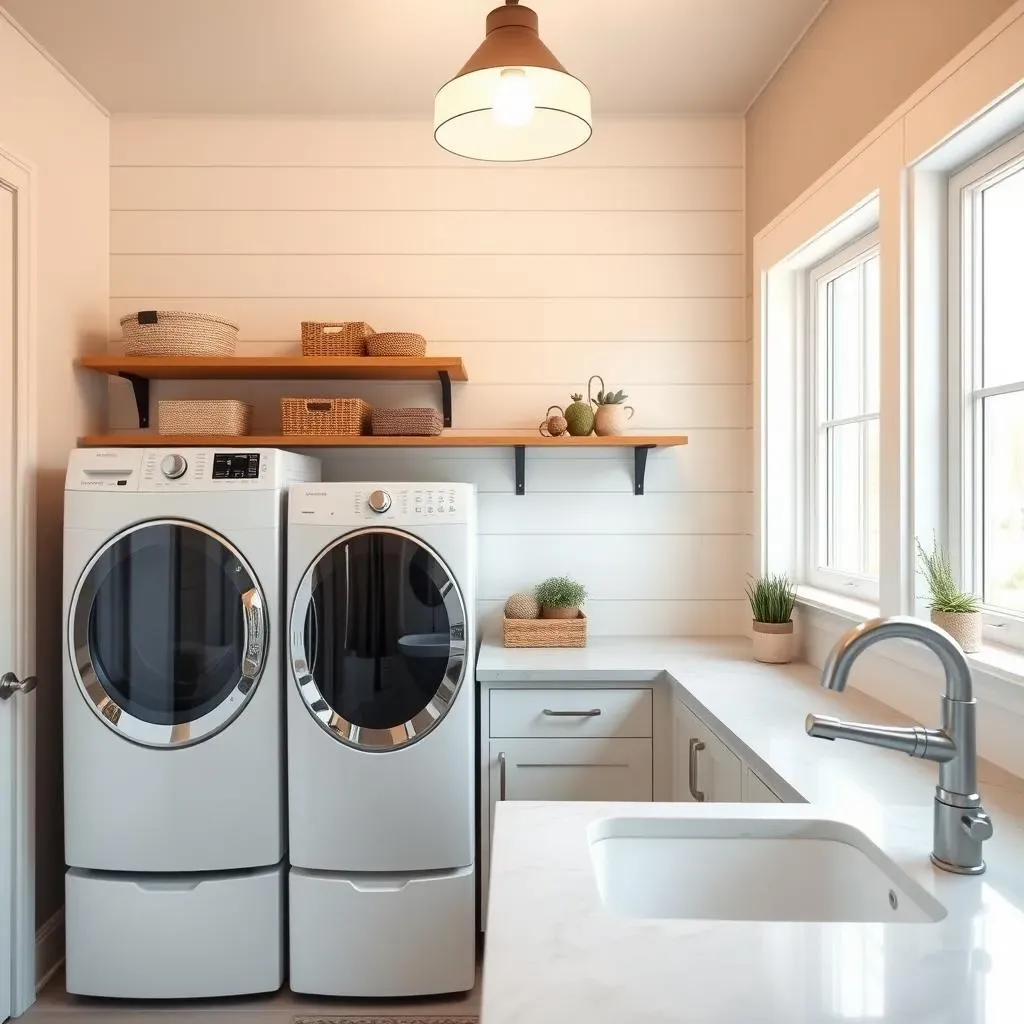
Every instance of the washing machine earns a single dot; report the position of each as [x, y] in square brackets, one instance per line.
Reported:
[174, 720]
[381, 710]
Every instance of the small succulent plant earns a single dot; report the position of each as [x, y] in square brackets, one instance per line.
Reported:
[610, 397]
[561, 592]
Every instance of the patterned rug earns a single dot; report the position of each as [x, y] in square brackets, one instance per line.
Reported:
[387, 1020]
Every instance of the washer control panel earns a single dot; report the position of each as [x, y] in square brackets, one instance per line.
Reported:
[391, 504]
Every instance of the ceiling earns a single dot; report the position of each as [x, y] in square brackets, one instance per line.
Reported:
[388, 57]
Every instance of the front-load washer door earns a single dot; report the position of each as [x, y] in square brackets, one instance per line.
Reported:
[378, 633]
[168, 633]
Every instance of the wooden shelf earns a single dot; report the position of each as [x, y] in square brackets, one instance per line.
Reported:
[277, 367]
[518, 440]
[140, 370]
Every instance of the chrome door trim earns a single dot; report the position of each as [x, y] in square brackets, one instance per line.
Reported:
[183, 734]
[406, 733]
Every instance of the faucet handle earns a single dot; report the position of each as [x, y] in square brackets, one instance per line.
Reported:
[977, 824]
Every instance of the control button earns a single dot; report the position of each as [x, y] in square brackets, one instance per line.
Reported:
[379, 501]
[430, 510]
[173, 466]
[419, 508]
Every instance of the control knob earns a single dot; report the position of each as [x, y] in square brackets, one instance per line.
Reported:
[379, 501]
[173, 466]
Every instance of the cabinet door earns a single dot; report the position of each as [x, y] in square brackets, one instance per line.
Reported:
[705, 768]
[757, 791]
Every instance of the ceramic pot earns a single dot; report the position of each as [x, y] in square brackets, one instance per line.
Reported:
[773, 642]
[559, 613]
[610, 420]
[963, 627]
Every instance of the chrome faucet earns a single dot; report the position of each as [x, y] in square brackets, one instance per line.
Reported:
[961, 825]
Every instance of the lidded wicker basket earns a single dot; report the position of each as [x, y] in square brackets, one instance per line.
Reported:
[329, 417]
[407, 422]
[335, 338]
[203, 416]
[396, 343]
[159, 332]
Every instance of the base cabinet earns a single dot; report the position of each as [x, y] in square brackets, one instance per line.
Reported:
[706, 769]
[757, 791]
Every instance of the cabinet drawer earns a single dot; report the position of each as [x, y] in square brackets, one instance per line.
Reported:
[571, 713]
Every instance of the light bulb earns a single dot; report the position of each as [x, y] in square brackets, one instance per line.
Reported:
[513, 98]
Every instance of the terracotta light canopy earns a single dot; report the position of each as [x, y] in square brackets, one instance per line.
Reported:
[512, 100]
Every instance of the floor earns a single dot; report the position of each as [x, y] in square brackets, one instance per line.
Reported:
[55, 1006]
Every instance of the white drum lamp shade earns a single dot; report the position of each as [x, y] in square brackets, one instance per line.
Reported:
[512, 100]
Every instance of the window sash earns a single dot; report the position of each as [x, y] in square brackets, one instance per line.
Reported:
[819, 424]
[965, 371]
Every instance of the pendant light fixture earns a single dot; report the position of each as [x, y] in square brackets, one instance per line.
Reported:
[512, 100]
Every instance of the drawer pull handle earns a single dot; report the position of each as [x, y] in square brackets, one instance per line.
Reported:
[502, 774]
[592, 713]
[696, 746]
[569, 764]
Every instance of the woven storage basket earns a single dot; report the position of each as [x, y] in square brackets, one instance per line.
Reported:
[408, 422]
[544, 632]
[396, 344]
[332, 417]
[195, 416]
[159, 332]
[326, 338]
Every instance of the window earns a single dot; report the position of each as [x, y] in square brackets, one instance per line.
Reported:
[842, 528]
[986, 389]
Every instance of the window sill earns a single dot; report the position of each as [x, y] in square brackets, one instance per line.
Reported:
[851, 609]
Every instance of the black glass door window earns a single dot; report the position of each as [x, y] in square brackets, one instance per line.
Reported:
[162, 617]
[379, 629]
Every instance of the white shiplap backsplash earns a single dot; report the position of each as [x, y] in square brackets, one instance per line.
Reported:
[624, 258]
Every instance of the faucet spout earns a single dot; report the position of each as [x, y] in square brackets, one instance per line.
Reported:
[960, 823]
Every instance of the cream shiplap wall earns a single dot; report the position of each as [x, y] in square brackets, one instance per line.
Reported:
[625, 258]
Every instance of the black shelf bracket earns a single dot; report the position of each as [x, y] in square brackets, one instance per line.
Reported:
[640, 467]
[140, 388]
[520, 469]
[446, 396]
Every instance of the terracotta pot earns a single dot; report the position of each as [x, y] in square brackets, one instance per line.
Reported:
[610, 420]
[559, 613]
[773, 642]
[963, 627]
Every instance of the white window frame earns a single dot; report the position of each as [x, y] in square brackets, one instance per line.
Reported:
[815, 391]
[964, 370]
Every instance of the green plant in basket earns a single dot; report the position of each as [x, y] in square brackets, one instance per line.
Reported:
[946, 596]
[560, 598]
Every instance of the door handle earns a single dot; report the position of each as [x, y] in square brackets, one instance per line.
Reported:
[255, 634]
[696, 746]
[592, 713]
[502, 774]
[10, 684]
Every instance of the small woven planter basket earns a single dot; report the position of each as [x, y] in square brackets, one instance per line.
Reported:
[195, 416]
[544, 632]
[171, 333]
[327, 338]
[396, 344]
[964, 627]
[408, 422]
[330, 417]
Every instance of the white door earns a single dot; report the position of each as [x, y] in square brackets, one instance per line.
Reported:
[16, 709]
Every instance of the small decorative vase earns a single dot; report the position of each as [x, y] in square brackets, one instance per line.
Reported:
[610, 420]
[559, 613]
[963, 627]
[773, 642]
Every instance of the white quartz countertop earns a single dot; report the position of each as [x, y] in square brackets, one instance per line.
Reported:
[555, 954]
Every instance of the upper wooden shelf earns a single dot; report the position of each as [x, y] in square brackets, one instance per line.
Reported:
[278, 367]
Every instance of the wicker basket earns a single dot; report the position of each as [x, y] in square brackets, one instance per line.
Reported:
[171, 333]
[409, 422]
[396, 344]
[325, 338]
[203, 417]
[544, 632]
[333, 417]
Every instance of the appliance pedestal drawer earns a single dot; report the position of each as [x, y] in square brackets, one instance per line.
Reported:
[382, 935]
[175, 936]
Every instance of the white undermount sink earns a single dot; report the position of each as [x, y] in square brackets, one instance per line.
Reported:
[742, 869]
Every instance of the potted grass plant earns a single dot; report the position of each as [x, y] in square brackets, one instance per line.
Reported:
[953, 609]
[772, 597]
[560, 598]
